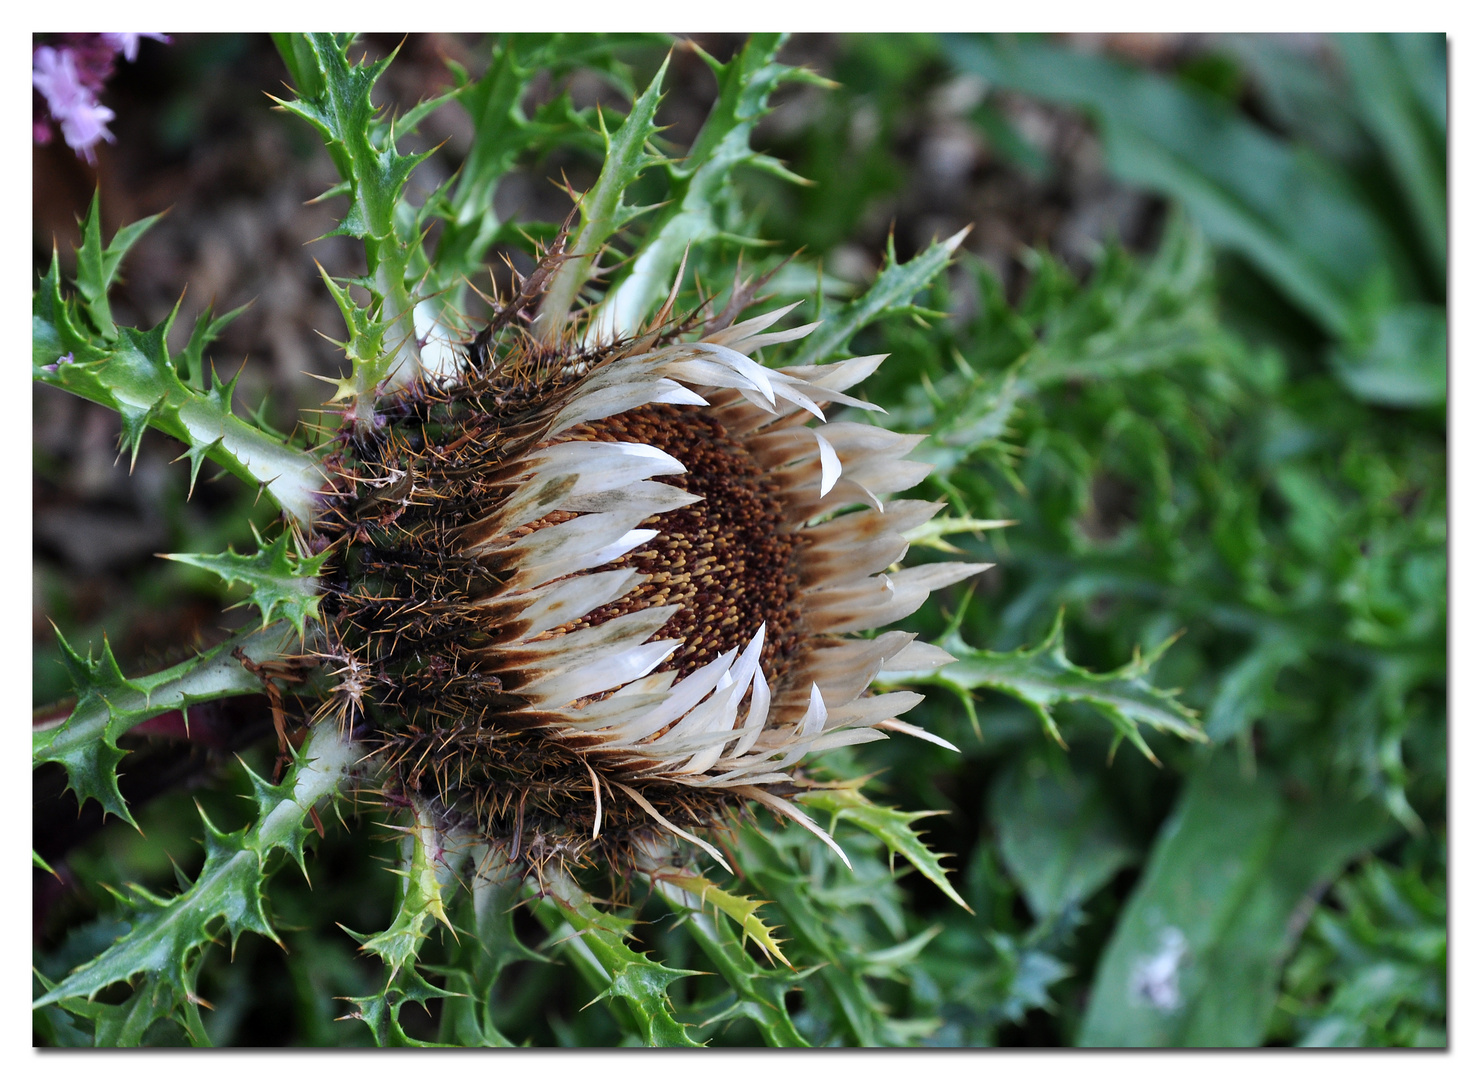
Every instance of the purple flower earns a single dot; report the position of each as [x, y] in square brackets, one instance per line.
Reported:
[128, 44]
[69, 79]
[93, 56]
[73, 105]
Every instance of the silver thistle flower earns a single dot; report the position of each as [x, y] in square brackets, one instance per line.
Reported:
[606, 589]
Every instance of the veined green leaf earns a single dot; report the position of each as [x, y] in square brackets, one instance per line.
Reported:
[1058, 834]
[1243, 691]
[1290, 214]
[1195, 957]
[1386, 73]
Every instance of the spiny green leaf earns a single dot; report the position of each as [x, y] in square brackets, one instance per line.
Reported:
[699, 184]
[495, 887]
[381, 1012]
[57, 334]
[1042, 677]
[289, 831]
[167, 934]
[92, 773]
[602, 210]
[739, 908]
[895, 287]
[761, 991]
[620, 973]
[420, 904]
[335, 98]
[891, 826]
[824, 932]
[191, 362]
[108, 705]
[134, 374]
[282, 585]
[502, 134]
[339, 107]
[301, 63]
[127, 1023]
[481, 952]
[932, 533]
[886, 961]
[1130, 318]
[97, 266]
[92, 762]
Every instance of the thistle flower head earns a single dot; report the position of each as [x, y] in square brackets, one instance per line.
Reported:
[600, 594]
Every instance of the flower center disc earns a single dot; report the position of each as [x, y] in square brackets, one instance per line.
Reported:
[728, 561]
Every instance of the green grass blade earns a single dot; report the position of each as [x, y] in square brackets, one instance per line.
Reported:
[1291, 214]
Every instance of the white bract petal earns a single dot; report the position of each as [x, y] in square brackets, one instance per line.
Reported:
[831, 465]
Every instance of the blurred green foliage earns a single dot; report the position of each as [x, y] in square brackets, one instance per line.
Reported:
[1357, 242]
